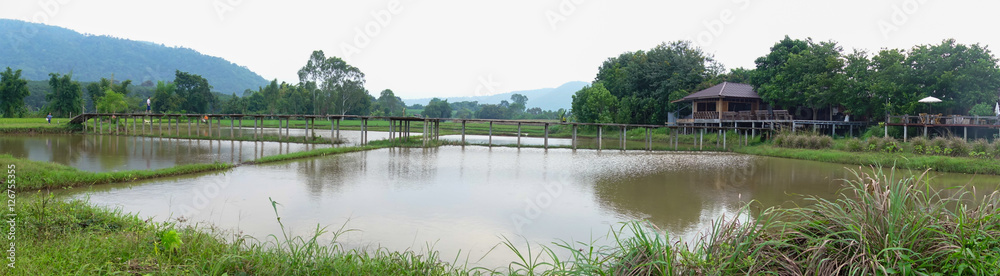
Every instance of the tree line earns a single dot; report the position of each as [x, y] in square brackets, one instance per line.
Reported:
[800, 75]
[327, 85]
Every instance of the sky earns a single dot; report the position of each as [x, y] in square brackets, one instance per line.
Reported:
[451, 48]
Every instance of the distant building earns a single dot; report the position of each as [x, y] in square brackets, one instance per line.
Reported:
[724, 98]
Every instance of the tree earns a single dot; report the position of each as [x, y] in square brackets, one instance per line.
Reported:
[960, 75]
[389, 105]
[194, 91]
[594, 104]
[165, 98]
[13, 89]
[519, 99]
[651, 79]
[112, 102]
[800, 73]
[437, 109]
[491, 111]
[340, 85]
[66, 95]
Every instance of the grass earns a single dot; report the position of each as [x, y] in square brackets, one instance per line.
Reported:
[34, 125]
[901, 160]
[34, 175]
[57, 237]
[878, 226]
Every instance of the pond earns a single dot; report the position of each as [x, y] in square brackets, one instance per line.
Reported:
[104, 153]
[465, 199]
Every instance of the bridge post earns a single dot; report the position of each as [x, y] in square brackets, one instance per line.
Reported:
[364, 130]
[925, 131]
[392, 127]
[189, 125]
[491, 134]
[649, 141]
[624, 147]
[101, 129]
[574, 136]
[904, 133]
[133, 125]
[232, 131]
[332, 139]
[210, 128]
[437, 130]
[519, 135]
[338, 128]
[701, 140]
[724, 133]
[546, 135]
[463, 131]
[600, 137]
[288, 128]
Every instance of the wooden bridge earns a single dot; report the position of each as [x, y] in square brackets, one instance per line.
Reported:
[949, 123]
[399, 127]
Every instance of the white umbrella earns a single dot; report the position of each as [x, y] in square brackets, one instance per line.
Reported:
[929, 100]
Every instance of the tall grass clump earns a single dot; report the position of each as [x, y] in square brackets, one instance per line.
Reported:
[878, 226]
[854, 145]
[919, 145]
[958, 146]
[803, 141]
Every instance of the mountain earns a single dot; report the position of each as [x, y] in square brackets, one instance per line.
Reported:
[39, 49]
[546, 98]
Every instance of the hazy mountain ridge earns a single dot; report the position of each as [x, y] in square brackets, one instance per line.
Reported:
[545, 98]
[39, 49]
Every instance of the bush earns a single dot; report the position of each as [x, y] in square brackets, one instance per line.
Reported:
[996, 148]
[780, 140]
[918, 145]
[854, 145]
[981, 149]
[939, 145]
[958, 146]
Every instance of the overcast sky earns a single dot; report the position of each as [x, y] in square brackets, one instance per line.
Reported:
[426, 48]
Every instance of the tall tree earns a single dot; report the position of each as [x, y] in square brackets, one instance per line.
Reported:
[437, 109]
[650, 80]
[389, 105]
[960, 75]
[801, 73]
[112, 102]
[340, 85]
[66, 95]
[165, 98]
[13, 89]
[595, 104]
[195, 92]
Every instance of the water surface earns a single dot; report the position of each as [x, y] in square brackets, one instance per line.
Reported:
[464, 199]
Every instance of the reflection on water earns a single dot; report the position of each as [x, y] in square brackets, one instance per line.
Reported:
[101, 153]
[463, 199]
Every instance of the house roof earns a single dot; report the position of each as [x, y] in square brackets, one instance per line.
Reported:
[723, 90]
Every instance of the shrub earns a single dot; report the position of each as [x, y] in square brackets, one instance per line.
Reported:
[958, 146]
[854, 145]
[939, 145]
[780, 140]
[799, 141]
[980, 149]
[826, 142]
[996, 148]
[918, 145]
